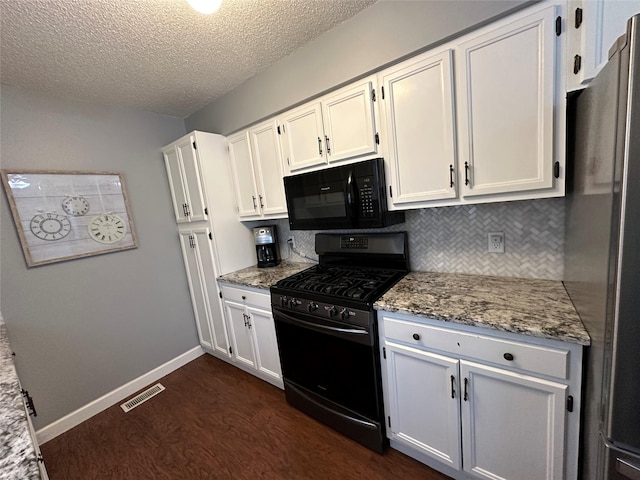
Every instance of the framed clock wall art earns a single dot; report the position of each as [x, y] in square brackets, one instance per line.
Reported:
[65, 215]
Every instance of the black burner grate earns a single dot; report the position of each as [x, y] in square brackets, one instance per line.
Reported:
[355, 283]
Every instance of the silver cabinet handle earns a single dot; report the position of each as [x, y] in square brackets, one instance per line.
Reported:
[254, 202]
[326, 139]
[319, 146]
[261, 204]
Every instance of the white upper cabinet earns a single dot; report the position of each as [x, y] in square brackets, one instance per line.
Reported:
[349, 128]
[185, 180]
[593, 27]
[303, 137]
[418, 125]
[506, 92]
[243, 174]
[256, 164]
[338, 126]
[267, 158]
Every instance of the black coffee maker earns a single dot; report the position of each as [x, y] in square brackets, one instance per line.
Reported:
[267, 249]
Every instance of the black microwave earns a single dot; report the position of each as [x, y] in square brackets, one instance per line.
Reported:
[343, 197]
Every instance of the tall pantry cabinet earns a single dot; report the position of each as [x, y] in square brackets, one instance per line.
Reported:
[213, 241]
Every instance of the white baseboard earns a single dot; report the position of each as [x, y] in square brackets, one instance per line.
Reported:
[99, 404]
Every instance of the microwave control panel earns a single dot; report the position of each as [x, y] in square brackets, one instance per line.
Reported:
[367, 205]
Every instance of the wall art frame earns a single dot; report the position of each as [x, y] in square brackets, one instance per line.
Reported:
[64, 215]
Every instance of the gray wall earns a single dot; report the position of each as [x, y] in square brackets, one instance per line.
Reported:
[379, 35]
[85, 327]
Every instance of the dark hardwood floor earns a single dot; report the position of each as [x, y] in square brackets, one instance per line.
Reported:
[214, 421]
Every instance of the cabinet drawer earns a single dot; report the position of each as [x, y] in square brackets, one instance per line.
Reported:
[538, 359]
[248, 297]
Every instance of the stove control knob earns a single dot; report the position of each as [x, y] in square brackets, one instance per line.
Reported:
[284, 301]
[332, 311]
[295, 302]
[312, 307]
[345, 314]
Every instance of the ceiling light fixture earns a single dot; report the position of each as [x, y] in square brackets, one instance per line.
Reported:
[205, 6]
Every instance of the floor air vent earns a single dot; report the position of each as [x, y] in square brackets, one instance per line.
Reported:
[142, 397]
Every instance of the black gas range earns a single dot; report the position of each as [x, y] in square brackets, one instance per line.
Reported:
[327, 331]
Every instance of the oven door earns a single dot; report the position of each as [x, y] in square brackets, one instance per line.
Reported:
[332, 360]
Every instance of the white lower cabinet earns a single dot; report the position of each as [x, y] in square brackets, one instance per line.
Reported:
[41, 467]
[423, 402]
[252, 333]
[474, 403]
[199, 265]
[513, 425]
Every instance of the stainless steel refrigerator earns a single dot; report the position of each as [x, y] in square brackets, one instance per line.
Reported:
[602, 258]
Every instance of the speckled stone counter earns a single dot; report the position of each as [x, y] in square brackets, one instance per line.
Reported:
[263, 277]
[18, 459]
[540, 308]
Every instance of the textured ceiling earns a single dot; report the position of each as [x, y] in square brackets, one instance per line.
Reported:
[155, 55]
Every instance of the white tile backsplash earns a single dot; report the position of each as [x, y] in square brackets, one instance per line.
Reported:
[454, 239]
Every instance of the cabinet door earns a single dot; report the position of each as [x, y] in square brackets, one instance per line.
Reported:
[603, 21]
[204, 249]
[424, 401]
[349, 128]
[505, 87]
[193, 179]
[176, 184]
[418, 120]
[303, 137]
[243, 175]
[513, 425]
[240, 333]
[264, 331]
[196, 287]
[268, 166]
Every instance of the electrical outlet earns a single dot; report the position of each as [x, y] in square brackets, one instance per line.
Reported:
[496, 242]
[291, 242]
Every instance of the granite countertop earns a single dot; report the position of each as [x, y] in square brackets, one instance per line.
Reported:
[263, 277]
[18, 459]
[540, 308]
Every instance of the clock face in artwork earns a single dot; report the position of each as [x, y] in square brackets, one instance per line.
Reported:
[107, 228]
[50, 226]
[76, 206]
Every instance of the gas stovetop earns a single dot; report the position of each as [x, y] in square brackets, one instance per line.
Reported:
[354, 271]
[354, 283]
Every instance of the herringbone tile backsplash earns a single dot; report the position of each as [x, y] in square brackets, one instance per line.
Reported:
[454, 239]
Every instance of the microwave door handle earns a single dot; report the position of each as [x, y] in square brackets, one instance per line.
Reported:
[350, 197]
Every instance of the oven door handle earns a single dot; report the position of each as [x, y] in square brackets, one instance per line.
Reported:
[352, 334]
